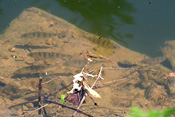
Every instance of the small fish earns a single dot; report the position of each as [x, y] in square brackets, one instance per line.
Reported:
[153, 61]
[126, 64]
[27, 75]
[38, 74]
[43, 35]
[103, 42]
[47, 55]
[79, 63]
[30, 47]
[30, 69]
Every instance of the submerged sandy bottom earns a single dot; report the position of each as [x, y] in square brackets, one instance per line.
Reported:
[138, 84]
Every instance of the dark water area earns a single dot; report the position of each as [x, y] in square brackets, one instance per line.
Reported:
[142, 26]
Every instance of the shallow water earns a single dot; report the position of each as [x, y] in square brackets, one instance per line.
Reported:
[129, 81]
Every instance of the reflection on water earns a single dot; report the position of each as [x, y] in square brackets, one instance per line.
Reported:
[101, 17]
[104, 17]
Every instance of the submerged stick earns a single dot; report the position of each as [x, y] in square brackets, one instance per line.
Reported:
[39, 95]
[25, 112]
[50, 80]
[64, 106]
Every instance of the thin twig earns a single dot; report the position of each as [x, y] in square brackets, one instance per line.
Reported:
[64, 106]
[108, 83]
[91, 98]
[36, 100]
[99, 76]
[30, 112]
[87, 64]
[50, 80]
[39, 95]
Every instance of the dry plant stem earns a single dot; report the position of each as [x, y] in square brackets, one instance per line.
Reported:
[86, 64]
[114, 81]
[50, 80]
[99, 75]
[28, 113]
[91, 98]
[39, 95]
[108, 83]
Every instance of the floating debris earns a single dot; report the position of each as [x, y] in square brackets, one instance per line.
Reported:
[47, 55]
[153, 61]
[43, 35]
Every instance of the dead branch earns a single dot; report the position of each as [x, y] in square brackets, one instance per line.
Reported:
[39, 95]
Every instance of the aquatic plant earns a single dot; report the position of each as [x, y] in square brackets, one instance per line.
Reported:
[137, 112]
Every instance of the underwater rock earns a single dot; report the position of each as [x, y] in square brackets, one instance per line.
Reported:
[169, 52]
[154, 61]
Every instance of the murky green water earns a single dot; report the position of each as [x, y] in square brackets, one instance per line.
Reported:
[142, 26]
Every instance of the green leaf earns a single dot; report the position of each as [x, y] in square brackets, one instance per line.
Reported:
[168, 112]
[153, 113]
[136, 112]
[62, 98]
